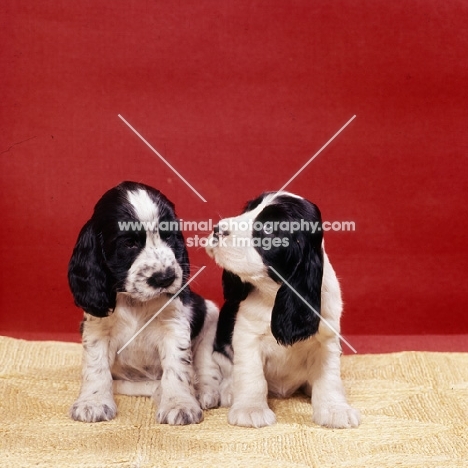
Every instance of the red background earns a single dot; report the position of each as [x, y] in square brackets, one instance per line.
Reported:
[238, 96]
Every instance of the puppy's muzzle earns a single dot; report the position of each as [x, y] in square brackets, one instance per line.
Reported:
[162, 279]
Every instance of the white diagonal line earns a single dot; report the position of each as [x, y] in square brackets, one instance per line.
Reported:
[317, 153]
[313, 310]
[162, 158]
[160, 310]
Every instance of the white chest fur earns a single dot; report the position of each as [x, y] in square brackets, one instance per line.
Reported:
[135, 322]
[285, 367]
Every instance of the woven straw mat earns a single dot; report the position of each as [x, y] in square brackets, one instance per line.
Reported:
[414, 407]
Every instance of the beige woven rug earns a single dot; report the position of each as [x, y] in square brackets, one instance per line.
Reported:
[414, 405]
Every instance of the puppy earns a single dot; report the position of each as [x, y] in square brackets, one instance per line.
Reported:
[277, 330]
[128, 263]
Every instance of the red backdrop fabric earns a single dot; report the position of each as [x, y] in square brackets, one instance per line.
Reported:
[238, 96]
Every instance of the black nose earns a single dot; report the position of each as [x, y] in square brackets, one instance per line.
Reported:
[162, 279]
[217, 232]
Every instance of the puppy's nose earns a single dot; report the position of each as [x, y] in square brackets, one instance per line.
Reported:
[162, 279]
[218, 232]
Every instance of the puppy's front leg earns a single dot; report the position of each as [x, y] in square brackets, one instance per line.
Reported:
[206, 369]
[95, 402]
[329, 404]
[250, 388]
[176, 401]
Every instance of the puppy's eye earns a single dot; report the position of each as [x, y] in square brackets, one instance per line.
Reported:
[131, 243]
[268, 228]
[166, 235]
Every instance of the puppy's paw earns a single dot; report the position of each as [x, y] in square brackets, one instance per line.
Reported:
[179, 412]
[94, 409]
[208, 397]
[340, 416]
[251, 416]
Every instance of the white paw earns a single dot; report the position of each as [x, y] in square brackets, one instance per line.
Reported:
[208, 397]
[94, 408]
[251, 417]
[339, 416]
[179, 412]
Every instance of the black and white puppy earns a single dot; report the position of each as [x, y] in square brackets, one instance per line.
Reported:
[124, 269]
[270, 340]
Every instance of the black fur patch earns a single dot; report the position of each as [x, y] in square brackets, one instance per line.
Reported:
[197, 321]
[235, 291]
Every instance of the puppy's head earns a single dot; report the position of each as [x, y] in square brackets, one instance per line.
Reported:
[278, 238]
[131, 245]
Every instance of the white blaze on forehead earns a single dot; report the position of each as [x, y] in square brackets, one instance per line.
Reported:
[289, 194]
[258, 209]
[145, 208]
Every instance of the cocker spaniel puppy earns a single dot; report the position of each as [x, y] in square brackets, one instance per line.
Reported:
[277, 331]
[127, 267]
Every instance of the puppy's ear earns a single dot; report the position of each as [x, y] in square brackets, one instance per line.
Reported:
[292, 319]
[88, 277]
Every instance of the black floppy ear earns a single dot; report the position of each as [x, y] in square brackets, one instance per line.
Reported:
[297, 318]
[88, 277]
